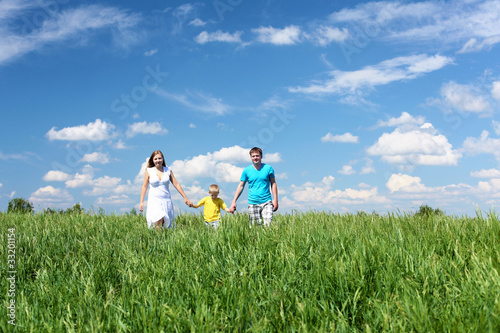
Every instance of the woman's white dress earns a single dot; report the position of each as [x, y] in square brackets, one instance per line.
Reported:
[159, 199]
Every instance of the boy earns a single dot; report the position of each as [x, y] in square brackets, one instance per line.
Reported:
[211, 211]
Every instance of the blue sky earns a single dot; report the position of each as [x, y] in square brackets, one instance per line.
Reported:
[358, 106]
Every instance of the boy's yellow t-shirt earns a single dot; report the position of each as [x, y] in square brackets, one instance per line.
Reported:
[211, 211]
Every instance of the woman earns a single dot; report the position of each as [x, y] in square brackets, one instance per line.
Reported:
[158, 176]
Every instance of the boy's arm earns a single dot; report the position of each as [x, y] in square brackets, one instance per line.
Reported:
[223, 206]
[199, 204]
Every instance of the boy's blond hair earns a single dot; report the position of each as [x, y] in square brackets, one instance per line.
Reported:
[214, 188]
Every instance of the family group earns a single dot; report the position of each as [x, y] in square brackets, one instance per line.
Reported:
[262, 194]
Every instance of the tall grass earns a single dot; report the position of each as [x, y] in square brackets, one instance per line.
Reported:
[308, 272]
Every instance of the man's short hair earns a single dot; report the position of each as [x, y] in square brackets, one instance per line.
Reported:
[256, 150]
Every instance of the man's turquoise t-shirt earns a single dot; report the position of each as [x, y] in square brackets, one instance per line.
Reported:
[258, 183]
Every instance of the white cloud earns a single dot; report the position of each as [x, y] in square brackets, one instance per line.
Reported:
[483, 145]
[150, 52]
[382, 12]
[326, 35]
[274, 103]
[347, 170]
[96, 157]
[474, 23]
[219, 164]
[464, 97]
[405, 183]
[283, 175]
[196, 167]
[192, 125]
[76, 23]
[322, 193]
[367, 78]
[139, 178]
[235, 154]
[473, 45]
[114, 200]
[197, 22]
[404, 119]
[96, 131]
[10, 8]
[120, 145]
[218, 36]
[56, 176]
[145, 128]
[368, 168]
[196, 191]
[271, 157]
[490, 173]
[421, 146]
[196, 101]
[80, 180]
[406, 187]
[344, 138]
[103, 185]
[181, 14]
[204, 166]
[290, 35]
[287, 36]
[325, 60]
[6, 157]
[496, 126]
[495, 90]
[49, 196]
[227, 173]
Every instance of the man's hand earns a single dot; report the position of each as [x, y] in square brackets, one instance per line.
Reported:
[232, 208]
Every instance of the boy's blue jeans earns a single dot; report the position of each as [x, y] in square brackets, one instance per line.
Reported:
[214, 224]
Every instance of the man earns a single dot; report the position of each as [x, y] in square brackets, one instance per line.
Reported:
[261, 182]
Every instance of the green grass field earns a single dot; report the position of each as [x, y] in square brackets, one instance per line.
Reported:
[308, 272]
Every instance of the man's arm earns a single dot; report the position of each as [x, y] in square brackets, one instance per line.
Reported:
[237, 194]
[274, 191]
